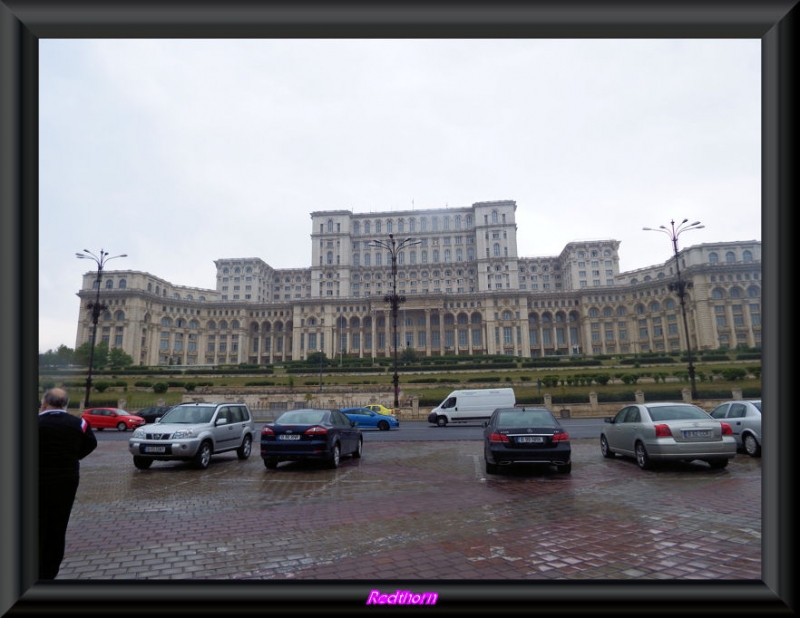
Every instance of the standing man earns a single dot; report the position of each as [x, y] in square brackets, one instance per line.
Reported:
[63, 441]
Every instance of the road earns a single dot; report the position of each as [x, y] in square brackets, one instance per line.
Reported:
[414, 431]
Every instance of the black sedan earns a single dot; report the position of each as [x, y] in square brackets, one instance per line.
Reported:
[153, 412]
[310, 434]
[525, 436]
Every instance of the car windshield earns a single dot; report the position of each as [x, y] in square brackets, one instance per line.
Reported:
[189, 414]
[301, 417]
[525, 418]
[676, 413]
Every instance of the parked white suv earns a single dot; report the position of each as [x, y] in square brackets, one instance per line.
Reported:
[194, 432]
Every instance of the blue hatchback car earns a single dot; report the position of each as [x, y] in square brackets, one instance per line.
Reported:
[368, 419]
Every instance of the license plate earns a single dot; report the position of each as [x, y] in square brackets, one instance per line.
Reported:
[154, 449]
[697, 433]
[289, 437]
[531, 439]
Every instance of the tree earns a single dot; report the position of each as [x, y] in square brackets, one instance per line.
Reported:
[61, 357]
[119, 359]
[84, 350]
[409, 356]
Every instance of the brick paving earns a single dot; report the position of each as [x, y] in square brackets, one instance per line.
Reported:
[414, 511]
[421, 518]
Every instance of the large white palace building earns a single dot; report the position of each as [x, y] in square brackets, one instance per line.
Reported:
[466, 290]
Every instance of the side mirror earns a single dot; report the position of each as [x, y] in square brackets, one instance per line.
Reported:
[221, 421]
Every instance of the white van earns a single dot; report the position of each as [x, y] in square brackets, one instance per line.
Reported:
[471, 406]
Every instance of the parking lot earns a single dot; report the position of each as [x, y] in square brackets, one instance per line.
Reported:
[417, 511]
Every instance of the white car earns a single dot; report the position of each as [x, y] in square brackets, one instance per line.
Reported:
[194, 432]
[744, 417]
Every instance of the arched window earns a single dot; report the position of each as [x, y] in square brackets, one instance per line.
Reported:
[122, 284]
[235, 324]
[223, 325]
[730, 257]
[621, 311]
[655, 306]
[366, 227]
[119, 316]
[193, 324]
[506, 315]
[753, 292]
[447, 255]
[109, 284]
[747, 255]
[180, 323]
[713, 258]
[736, 293]
[608, 312]
[640, 309]
[389, 227]
[594, 313]
[166, 322]
[356, 228]
[496, 249]
[212, 325]
[717, 294]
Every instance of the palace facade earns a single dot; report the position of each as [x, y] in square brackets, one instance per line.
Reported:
[466, 291]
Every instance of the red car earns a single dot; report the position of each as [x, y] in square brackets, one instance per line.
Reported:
[111, 418]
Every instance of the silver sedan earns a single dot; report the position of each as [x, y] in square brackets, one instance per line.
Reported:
[744, 417]
[662, 431]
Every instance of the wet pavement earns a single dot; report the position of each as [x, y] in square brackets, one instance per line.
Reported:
[425, 511]
[413, 517]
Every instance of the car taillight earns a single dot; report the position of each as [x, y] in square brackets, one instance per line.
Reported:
[267, 431]
[561, 436]
[726, 429]
[316, 430]
[498, 437]
[662, 431]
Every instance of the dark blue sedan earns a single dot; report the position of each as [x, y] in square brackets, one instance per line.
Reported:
[368, 419]
[310, 434]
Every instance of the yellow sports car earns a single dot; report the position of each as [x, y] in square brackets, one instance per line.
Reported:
[376, 407]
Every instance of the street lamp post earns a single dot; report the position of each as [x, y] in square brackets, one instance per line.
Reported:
[394, 248]
[96, 308]
[680, 286]
[320, 370]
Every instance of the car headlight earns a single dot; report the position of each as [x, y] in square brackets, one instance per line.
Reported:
[138, 433]
[183, 433]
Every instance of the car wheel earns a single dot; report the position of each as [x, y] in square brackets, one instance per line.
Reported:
[383, 425]
[718, 464]
[642, 458]
[270, 463]
[491, 468]
[605, 449]
[121, 426]
[336, 453]
[243, 452]
[565, 468]
[359, 448]
[751, 445]
[203, 456]
[441, 421]
[143, 463]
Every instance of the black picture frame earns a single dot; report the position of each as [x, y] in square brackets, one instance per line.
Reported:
[23, 23]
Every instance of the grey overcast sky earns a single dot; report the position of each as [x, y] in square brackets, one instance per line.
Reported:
[180, 152]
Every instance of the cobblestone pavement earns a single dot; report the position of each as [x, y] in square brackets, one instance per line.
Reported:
[417, 517]
[422, 511]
